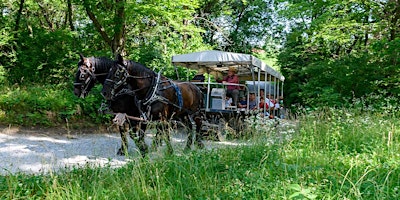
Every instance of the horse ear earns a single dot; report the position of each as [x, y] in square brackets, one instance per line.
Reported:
[82, 57]
[120, 59]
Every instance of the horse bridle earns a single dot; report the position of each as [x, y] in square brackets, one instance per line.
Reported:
[86, 82]
[123, 81]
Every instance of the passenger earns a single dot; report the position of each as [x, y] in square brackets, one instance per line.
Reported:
[261, 94]
[242, 102]
[281, 108]
[232, 90]
[270, 101]
[252, 101]
[228, 101]
[263, 105]
[199, 77]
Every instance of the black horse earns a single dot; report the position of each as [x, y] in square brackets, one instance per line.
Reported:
[94, 70]
[158, 98]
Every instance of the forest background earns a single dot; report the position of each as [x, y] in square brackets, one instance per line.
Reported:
[333, 53]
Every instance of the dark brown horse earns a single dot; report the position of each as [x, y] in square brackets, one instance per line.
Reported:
[158, 98]
[94, 70]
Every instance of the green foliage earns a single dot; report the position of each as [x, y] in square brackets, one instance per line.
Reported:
[237, 26]
[333, 154]
[47, 106]
[39, 62]
[333, 53]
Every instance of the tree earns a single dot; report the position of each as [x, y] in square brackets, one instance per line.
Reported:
[110, 24]
[237, 25]
[330, 61]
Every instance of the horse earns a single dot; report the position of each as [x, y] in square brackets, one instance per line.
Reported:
[94, 70]
[158, 98]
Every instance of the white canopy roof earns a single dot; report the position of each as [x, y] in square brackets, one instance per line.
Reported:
[220, 61]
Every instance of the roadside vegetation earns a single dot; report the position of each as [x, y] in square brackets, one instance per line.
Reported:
[327, 154]
[340, 60]
[49, 106]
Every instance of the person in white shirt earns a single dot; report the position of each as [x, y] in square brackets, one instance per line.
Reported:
[228, 101]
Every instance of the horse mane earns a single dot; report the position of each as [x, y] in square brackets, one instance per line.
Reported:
[102, 64]
[138, 68]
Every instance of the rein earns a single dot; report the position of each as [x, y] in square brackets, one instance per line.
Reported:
[151, 95]
[85, 85]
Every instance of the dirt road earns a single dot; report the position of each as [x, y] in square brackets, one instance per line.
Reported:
[46, 150]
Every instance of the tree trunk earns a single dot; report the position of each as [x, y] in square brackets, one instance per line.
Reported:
[69, 15]
[18, 19]
[117, 42]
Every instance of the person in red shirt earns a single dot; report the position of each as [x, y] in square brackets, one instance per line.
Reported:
[232, 90]
[262, 103]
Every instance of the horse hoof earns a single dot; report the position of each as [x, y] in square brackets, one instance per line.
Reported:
[120, 152]
[169, 153]
[186, 149]
[143, 152]
[200, 145]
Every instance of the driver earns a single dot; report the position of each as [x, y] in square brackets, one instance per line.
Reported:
[232, 90]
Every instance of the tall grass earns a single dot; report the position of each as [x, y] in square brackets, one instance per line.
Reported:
[330, 154]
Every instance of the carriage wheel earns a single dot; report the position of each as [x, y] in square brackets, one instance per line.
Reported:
[237, 125]
[221, 132]
[214, 127]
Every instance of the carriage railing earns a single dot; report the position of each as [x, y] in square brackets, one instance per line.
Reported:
[208, 86]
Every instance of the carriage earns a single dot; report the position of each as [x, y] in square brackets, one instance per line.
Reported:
[141, 95]
[254, 75]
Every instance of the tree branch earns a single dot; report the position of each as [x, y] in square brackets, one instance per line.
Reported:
[46, 16]
[119, 27]
[96, 23]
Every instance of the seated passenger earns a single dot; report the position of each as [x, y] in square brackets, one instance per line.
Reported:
[199, 77]
[252, 101]
[228, 101]
[242, 102]
[265, 105]
[232, 90]
[262, 103]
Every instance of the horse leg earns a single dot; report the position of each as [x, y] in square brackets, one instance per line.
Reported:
[189, 141]
[124, 142]
[163, 134]
[139, 138]
[157, 138]
[199, 136]
[167, 138]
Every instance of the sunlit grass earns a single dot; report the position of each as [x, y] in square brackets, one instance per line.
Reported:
[334, 154]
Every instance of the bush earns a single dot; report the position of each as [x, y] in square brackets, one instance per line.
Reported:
[47, 105]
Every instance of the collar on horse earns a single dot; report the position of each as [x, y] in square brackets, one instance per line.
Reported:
[152, 94]
[156, 97]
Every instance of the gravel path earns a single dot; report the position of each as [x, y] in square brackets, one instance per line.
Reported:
[37, 150]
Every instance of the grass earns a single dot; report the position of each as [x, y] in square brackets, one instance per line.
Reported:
[333, 154]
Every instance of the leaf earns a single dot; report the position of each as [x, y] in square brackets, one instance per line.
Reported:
[295, 187]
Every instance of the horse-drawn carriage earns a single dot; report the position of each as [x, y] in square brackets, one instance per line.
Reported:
[143, 95]
[254, 76]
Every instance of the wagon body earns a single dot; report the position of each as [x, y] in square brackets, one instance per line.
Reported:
[253, 73]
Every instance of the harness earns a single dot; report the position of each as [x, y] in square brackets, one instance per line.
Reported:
[153, 95]
[156, 97]
[92, 77]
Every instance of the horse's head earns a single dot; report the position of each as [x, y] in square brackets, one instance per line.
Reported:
[116, 79]
[85, 77]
